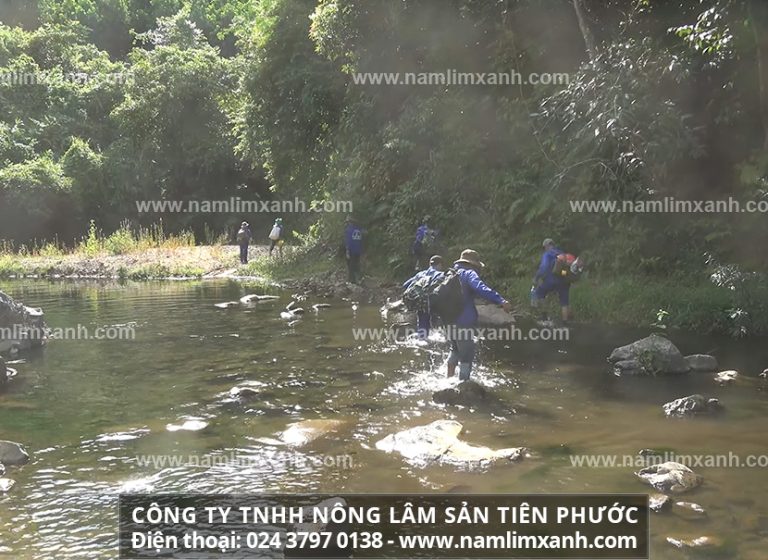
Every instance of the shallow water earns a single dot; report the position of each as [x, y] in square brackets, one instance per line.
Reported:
[91, 412]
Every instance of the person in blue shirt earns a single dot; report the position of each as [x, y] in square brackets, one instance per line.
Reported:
[426, 239]
[461, 335]
[353, 244]
[545, 282]
[435, 270]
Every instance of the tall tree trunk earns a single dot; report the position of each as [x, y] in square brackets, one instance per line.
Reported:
[758, 14]
[586, 32]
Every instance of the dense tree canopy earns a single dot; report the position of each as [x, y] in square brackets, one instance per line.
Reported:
[264, 98]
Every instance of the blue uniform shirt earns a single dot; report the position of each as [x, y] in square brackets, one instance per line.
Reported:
[353, 239]
[473, 286]
[547, 264]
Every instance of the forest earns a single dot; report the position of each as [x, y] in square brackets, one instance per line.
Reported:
[195, 100]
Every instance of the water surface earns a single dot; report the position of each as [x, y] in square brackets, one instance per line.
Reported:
[93, 414]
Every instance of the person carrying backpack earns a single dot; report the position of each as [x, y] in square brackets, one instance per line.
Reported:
[244, 236]
[557, 270]
[276, 237]
[459, 331]
[417, 292]
[353, 246]
[426, 239]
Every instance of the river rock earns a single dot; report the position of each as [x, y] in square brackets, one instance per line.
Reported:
[693, 405]
[12, 453]
[656, 354]
[670, 477]
[191, 425]
[244, 393]
[658, 502]
[254, 298]
[491, 315]
[689, 510]
[306, 431]
[466, 393]
[227, 304]
[727, 377]
[25, 325]
[701, 362]
[629, 367]
[698, 542]
[6, 484]
[439, 442]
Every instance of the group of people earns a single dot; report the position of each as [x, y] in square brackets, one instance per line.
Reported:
[276, 239]
[548, 279]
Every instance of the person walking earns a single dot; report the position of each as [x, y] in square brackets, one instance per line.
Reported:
[546, 281]
[276, 237]
[426, 240]
[353, 245]
[244, 236]
[461, 334]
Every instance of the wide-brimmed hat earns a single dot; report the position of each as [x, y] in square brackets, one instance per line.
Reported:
[547, 242]
[244, 224]
[468, 256]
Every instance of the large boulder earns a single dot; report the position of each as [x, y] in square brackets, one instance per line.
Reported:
[693, 405]
[438, 442]
[12, 453]
[654, 354]
[21, 327]
[701, 362]
[670, 477]
[491, 315]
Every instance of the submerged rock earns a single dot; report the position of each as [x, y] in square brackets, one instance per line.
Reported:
[24, 326]
[12, 453]
[254, 298]
[6, 484]
[698, 542]
[693, 405]
[670, 477]
[244, 393]
[439, 442]
[466, 393]
[227, 304]
[689, 510]
[655, 354]
[658, 502]
[727, 377]
[191, 425]
[306, 431]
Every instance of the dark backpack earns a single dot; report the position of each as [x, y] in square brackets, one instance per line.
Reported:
[447, 299]
[417, 296]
